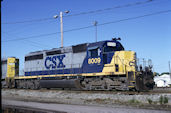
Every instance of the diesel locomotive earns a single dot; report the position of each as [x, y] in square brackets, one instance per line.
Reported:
[103, 65]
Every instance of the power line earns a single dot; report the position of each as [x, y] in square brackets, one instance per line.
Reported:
[37, 44]
[40, 45]
[111, 8]
[27, 21]
[24, 26]
[36, 36]
[83, 13]
[132, 18]
[32, 44]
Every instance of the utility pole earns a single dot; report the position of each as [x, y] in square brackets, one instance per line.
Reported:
[169, 70]
[95, 24]
[61, 22]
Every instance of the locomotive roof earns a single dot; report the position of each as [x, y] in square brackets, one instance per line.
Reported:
[74, 48]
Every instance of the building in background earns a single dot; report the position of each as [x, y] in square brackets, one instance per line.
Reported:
[163, 80]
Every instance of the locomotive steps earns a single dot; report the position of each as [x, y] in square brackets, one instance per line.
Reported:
[142, 100]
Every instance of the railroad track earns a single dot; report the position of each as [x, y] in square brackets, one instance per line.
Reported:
[154, 91]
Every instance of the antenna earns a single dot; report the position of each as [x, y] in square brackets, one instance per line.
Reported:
[116, 38]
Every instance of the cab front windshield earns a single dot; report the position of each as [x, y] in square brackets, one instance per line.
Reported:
[112, 46]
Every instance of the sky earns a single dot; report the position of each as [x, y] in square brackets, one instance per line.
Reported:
[143, 25]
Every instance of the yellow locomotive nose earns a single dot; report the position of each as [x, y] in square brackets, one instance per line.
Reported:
[121, 63]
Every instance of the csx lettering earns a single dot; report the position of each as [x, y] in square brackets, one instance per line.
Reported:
[94, 60]
[54, 62]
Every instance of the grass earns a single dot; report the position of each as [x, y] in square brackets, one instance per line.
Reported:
[149, 101]
[134, 101]
[163, 100]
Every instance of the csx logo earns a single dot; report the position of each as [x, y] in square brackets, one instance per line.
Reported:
[94, 60]
[54, 62]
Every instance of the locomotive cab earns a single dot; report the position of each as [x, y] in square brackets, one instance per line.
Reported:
[108, 50]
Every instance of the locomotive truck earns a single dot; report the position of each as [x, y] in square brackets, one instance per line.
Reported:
[103, 65]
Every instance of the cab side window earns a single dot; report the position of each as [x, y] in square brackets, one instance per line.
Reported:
[93, 53]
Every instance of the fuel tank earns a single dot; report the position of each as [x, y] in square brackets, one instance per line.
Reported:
[65, 83]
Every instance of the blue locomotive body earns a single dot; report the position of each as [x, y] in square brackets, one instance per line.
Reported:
[82, 58]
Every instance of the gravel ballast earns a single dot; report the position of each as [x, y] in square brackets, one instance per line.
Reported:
[87, 98]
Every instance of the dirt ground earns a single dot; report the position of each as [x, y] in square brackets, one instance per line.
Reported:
[79, 98]
[52, 107]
